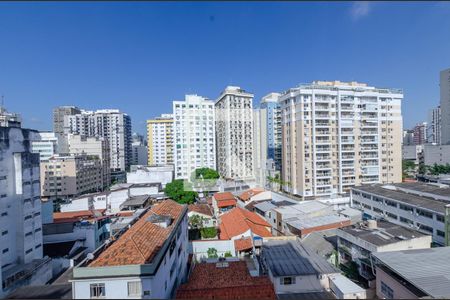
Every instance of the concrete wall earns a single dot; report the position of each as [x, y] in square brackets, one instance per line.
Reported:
[400, 292]
[436, 155]
[200, 248]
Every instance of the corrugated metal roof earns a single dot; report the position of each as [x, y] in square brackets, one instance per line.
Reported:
[426, 269]
[265, 206]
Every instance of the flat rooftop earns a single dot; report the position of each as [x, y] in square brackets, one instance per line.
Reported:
[304, 207]
[292, 258]
[419, 201]
[426, 269]
[386, 233]
[420, 187]
[304, 223]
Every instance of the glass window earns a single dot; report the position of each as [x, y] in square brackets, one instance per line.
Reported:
[134, 288]
[97, 290]
[287, 280]
[386, 290]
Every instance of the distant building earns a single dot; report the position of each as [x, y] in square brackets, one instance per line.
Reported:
[59, 113]
[340, 134]
[8, 119]
[160, 140]
[408, 137]
[204, 211]
[149, 260]
[67, 176]
[357, 242]
[272, 114]
[413, 274]
[21, 256]
[46, 146]
[420, 134]
[434, 126]
[97, 146]
[223, 202]
[445, 106]
[234, 134]
[111, 124]
[194, 135]
[151, 174]
[413, 205]
[435, 154]
[139, 150]
[412, 153]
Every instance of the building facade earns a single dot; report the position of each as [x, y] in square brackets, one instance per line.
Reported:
[139, 150]
[160, 140]
[194, 135]
[46, 146]
[111, 124]
[408, 137]
[434, 126]
[97, 146]
[337, 135]
[234, 134]
[21, 255]
[59, 114]
[272, 116]
[8, 119]
[420, 133]
[445, 106]
[70, 175]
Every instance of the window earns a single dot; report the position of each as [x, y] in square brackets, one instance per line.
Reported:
[5, 250]
[390, 215]
[406, 207]
[390, 203]
[440, 218]
[287, 280]
[424, 213]
[97, 290]
[134, 289]
[5, 232]
[440, 233]
[407, 221]
[377, 210]
[386, 290]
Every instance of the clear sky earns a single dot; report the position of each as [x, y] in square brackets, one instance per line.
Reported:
[140, 56]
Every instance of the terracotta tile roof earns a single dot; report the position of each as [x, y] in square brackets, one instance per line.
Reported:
[243, 244]
[125, 213]
[73, 216]
[232, 282]
[139, 244]
[238, 220]
[201, 209]
[225, 203]
[245, 196]
[224, 196]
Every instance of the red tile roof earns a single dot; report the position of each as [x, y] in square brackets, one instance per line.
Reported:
[238, 220]
[225, 203]
[73, 216]
[245, 196]
[204, 209]
[224, 196]
[139, 244]
[243, 244]
[207, 281]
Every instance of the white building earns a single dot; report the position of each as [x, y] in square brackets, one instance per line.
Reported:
[46, 146]
[234, 134]
[160, 140]
[435, 154]
[8, 119]
[111, 124]
[434, 126]
[21, 255]
[445, 106]
[151, 174]
[149, 260]
[340, 134]
[194, 135]
[59, 114]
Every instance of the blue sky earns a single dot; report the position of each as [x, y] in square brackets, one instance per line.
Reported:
[140, 56]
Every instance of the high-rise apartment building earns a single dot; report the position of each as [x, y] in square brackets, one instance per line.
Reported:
[96, 146]
[408, 137]
[8, 119]
[272, 115]
[139, 150]
[234, 134]
[58, 124]
[46, 146]
[111, 124]
[21, 245]
[69, 175]
[434, 126]
[445, 106]
[420, 133]
[340, 134]
[160, 140]
[194, 135]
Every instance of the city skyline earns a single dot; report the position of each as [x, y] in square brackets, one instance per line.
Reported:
[140, 71]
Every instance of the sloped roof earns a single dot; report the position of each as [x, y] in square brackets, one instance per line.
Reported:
[243, 244]
[139, 244]
[245, 196]
[204, 209]
[207, 281]
[73, 216]
[224, 196]
[238, 220]
[225, 203]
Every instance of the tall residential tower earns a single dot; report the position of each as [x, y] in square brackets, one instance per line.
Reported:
[160, 140]
[445, 106]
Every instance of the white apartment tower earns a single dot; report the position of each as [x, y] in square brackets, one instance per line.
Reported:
[160, 140]
[111, 124]
[46, 146]
[434, 126]
[340, 134]
[194, 135]
[445, 106]
[234, 134]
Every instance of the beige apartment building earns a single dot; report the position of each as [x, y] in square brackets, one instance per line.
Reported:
[160, 140]
[340, 134]
[98, 146]
[67, 176]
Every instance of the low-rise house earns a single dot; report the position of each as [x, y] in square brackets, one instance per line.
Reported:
[243, 227]
[204, 211]
[136, 202]
[253, 195]
[413, 274]
[344, 288]
[223, 202]
[225, 279]
[149, 260]
[301, 226]
[357, 242]
[294, 268]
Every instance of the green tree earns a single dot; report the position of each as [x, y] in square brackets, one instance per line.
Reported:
[422, 169]
[228, 254]
[196, 221]
[208, 232]
[176, 190]
[212, 253]
[205, 173]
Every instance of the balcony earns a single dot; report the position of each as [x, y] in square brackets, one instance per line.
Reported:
[322, 132]
[323, 174]
[321, 107]
[347, 164]
[323, 165]
[323, 123]
[347, 140]
[322, 140]
[346, 107]
[323, 148]
[345, 115]
[323, 191]
[348, 156]
[346, 148]
[323, 156]
[321, 115]
[369, 156]
[346, 131]
[369, 140]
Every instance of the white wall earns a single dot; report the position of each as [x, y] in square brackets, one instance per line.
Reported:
[200, 248]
